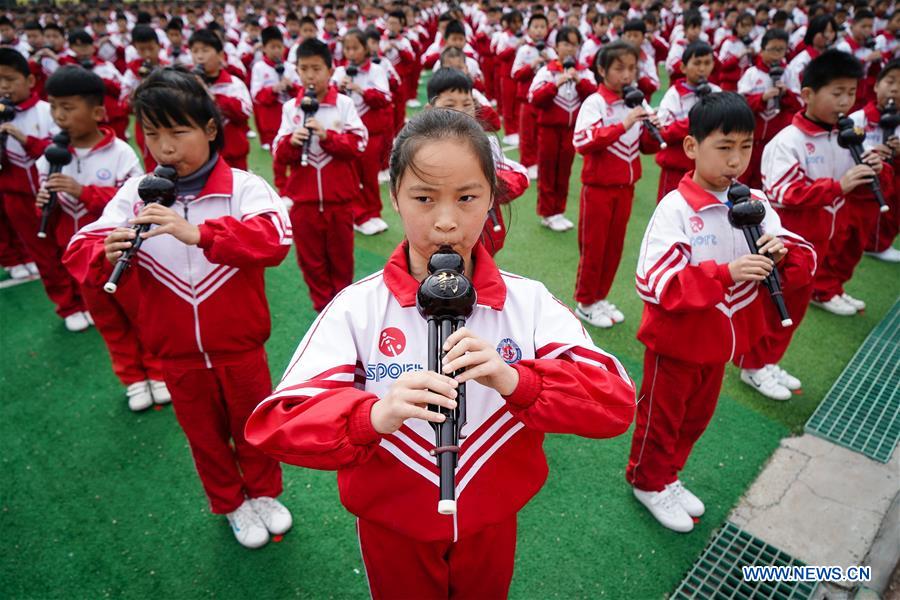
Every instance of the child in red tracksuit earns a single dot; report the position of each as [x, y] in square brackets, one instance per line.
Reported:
[703, 303]
[100, 165]
[230, 93]
[370, 91]
[353, 397]
[323, 191]
[556, 93]
[611, 137]
[530, 57]
[24, 139]
[271, 85]
[735, 53]
[203, 310]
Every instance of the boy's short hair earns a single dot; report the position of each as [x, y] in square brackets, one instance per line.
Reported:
[55, 27]
[4, 20]
[72, 80]
[175, 24]
[537, 17]
[454, 27]
[635, 25]
[270, 34]
[448, 80]
[143, 33]
[307, 20]
[721, 111]
[13, 59]
[33, 26]
[829, 66]
[693, 18]
[80, 36]
[891, 66]
[172, 96]
[696, 49]
[206, 37]
[862, 13]
[774, 34]
[314, 47]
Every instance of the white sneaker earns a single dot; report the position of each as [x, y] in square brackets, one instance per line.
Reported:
[274, 515]
[763, 381]
[836, 306]
[554, 223]
[266, 147]
[19, 272]
[891, 255]
[248, 528]
[565, 222]
[251, 135]
[89, 318]
[139, 397]
[854, 302]
[612, 310]
[666, 509]
[384, 176]
[784, 378]
[160, 392]
[76, 322]
[533, 172]
[382, 224]
[32, 268]
[688, 501]
[413, 103]
[594, 314]
[370, 227]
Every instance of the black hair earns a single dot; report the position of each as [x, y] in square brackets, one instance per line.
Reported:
[80, 36]
[72, 80]
[271, 34]
[170, 97]
[891, 66]
[816, 26]
[32, 26]
[291, 16]
[372, 34]
[863, 13]
[316, 47]
[399, 15]
[4, 20]
[143, 33]
[441, 124]
[634, 25]
[774, 34]
[54, 27]
[307, 20]
[175, 24]
[742, 17]
[693, 18]
[600, 17]
[695, 49]
[13, 59]
[447, 80]
[721, 111]
[829, 66]
[537, 17]
[454, 27]
[143, 18]
[566, 32]
[360, 36]
[206, 37]
[610, 53]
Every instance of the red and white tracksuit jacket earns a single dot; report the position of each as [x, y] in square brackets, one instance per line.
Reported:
[865, 90]
[732, 62]
[648, 74]
[591, 46]
[673, 112]
[514, 181]
[507, 43]
[696, 319]
[322, 192]
[234, 102]
[793, 75]
[319, 415]
[612, 165]
[523, 73]
[556, 109]
[266, 102]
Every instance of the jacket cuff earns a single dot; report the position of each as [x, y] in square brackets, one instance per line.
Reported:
[717, 271]
[206, 237]
[836, 191]
[527, 390]
[362, 432]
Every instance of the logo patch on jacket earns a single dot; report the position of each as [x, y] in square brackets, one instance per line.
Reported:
[391, 342]
[104, 174]
[509, 351]
[696, 224]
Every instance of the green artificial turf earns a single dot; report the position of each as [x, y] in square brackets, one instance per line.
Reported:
[98, 502]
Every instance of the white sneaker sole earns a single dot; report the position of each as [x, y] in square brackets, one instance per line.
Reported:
[584, 317]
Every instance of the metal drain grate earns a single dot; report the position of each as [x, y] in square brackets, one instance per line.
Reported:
[717, 573]
[862, 410]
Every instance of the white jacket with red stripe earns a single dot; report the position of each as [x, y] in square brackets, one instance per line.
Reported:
[371, 333]
[203, 305]
[693, 309]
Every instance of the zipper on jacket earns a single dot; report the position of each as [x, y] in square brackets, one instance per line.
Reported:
[187, 251]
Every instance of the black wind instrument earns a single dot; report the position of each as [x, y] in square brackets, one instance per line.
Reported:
[851, 138]
[633, 98]
[445, 300]
[158, 187]
[776, 72]
[746, 213]
[309, 105]
[58, 155]
[7, 114]
[703, 88]
[889, 121]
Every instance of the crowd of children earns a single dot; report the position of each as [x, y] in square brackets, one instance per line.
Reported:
[754, 93]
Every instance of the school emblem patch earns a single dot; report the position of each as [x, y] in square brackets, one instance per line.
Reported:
[509, 351]
[810, 149]
[696, 224]
[391, 342]
[104, 174]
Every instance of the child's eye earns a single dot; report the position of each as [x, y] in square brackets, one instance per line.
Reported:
[467, 198]
[422, 199]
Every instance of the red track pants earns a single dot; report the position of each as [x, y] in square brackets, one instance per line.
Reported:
[367, 204]
[601, 237]
[479, 567]
[555, 154]
[12, 250]
[212, 407]
[528, 135]
[676, 402]
[858, 221]
[324, 241]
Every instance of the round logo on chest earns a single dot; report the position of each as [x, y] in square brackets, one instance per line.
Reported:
[509, 351]
[391, 342]
[104, 174]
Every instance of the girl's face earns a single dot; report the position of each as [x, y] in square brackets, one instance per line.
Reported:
[566, 48]
[186, 148]
[354, 51]
[620, 73]
[743, 27]
[824, 39]
[442, 201]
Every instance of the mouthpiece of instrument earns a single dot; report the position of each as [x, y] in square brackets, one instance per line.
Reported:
[787, 322]
[109, 287]
[884, 208]
[43, 234]
[663, 146]
[447, 507]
